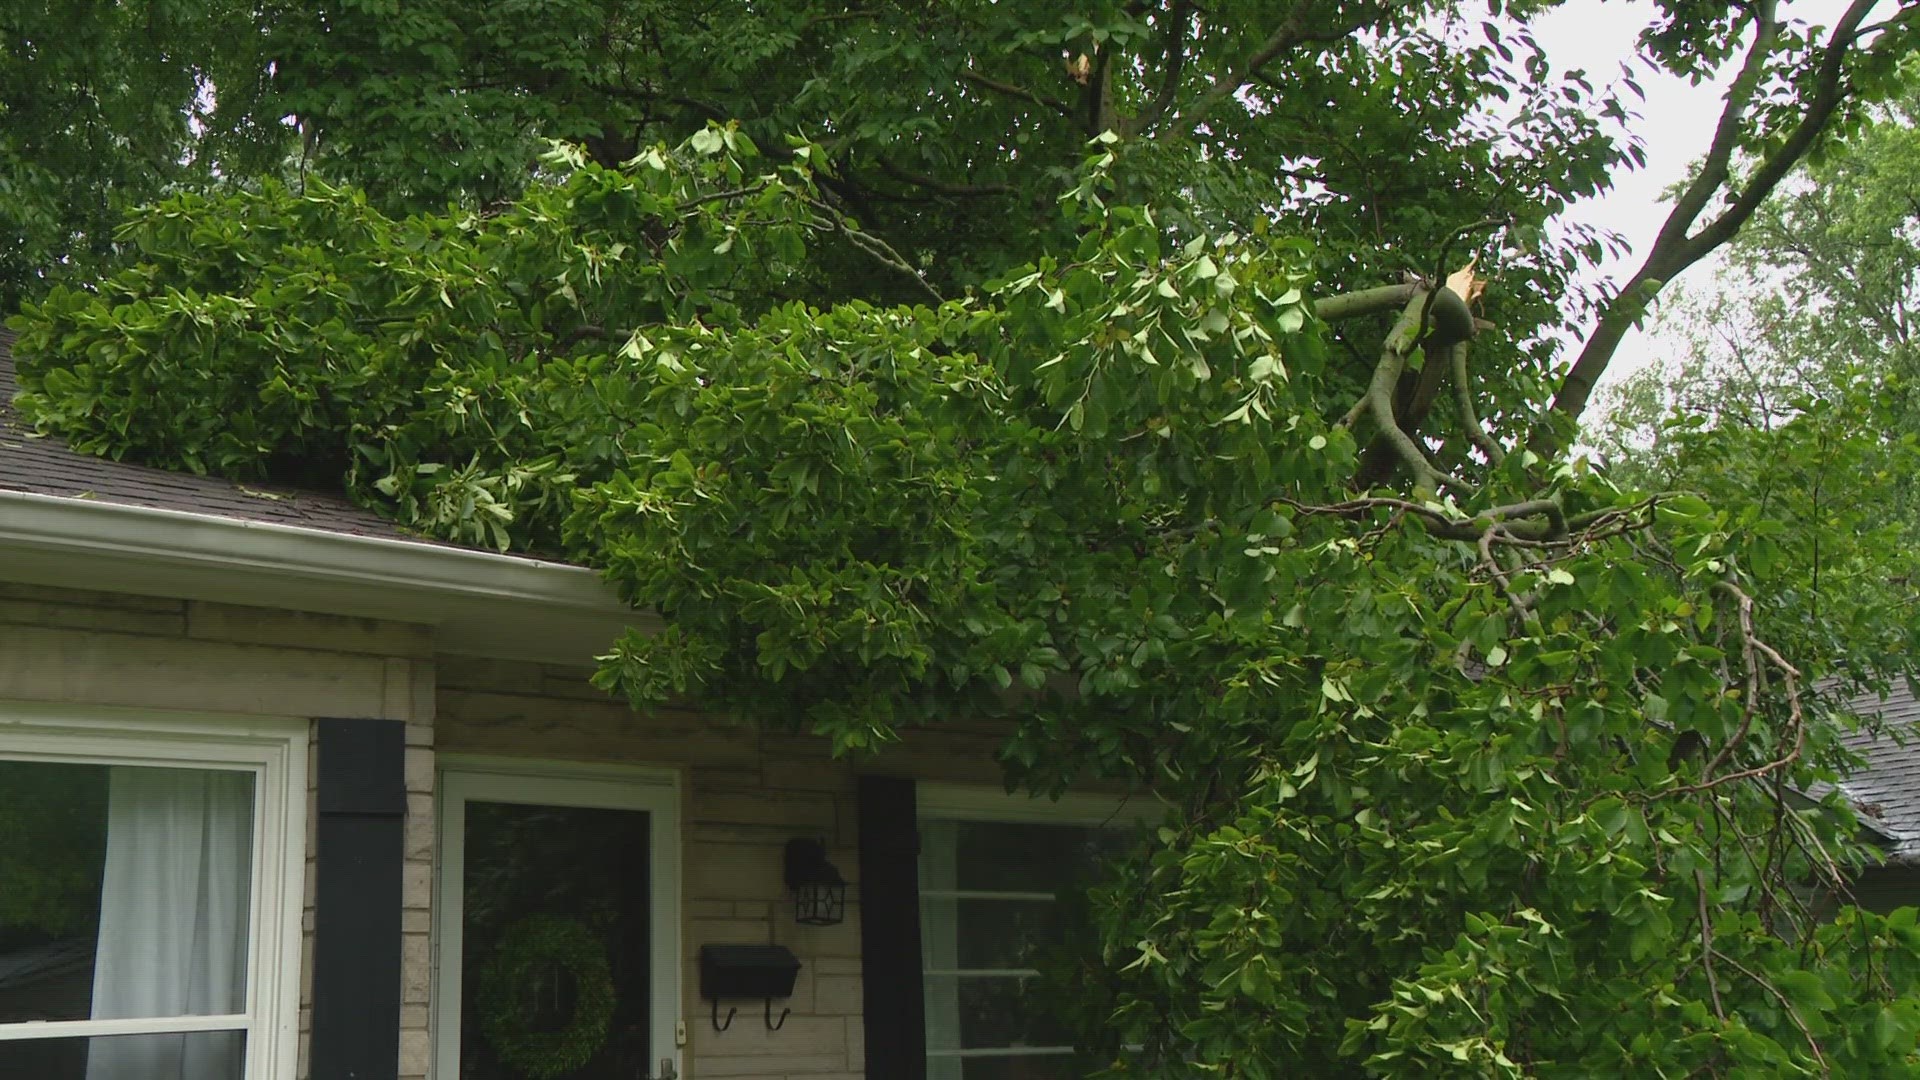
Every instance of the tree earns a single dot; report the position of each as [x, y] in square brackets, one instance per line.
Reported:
[1473, 761]
[1793, 396]
[1816, 296]
[101, 108]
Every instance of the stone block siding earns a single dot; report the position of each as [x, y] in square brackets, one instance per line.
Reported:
[744, 794]
[83, 648]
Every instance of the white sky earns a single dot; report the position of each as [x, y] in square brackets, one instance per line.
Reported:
[1675, 123]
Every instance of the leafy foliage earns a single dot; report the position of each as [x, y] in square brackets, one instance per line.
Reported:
[1793, 395]
[97, 107]
[1104, 498]
[1473, 761]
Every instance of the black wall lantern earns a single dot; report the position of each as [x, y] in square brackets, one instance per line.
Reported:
[819, 892]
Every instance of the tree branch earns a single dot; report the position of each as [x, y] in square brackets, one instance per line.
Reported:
[1098, 110]
[1288, 34]
[831, 221]
[1786, 1004]
[1715, 167]
[1364, 302]
[1174, 64]
[1706, 944]
[1463, 399]
[939, 186]
[1401, 340]
[986, 82]
[1677, 247]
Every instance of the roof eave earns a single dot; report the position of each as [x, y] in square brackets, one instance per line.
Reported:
[480, 603]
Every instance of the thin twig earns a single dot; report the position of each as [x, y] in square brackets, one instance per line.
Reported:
[1706, 945]
[831, 221]
[1813, 1044]
[721, 196]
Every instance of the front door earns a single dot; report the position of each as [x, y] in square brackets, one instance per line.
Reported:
[555, 939]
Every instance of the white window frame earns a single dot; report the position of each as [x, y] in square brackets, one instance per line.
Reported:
[966, 802]
[654, 790]
[274, 750]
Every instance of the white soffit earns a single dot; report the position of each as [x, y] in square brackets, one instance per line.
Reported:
[480, 603]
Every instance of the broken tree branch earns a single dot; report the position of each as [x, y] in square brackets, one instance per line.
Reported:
[1400, 343]
[1364, 302]
[1463, 399]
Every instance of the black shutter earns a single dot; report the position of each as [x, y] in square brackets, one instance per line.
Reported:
[896, 1024]
[359, 844]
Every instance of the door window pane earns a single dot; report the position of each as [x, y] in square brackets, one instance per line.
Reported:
[124, 893]
[197, 1055]
[554, 953]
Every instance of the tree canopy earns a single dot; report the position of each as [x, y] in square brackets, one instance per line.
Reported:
[1792, 396]
[1173, 380]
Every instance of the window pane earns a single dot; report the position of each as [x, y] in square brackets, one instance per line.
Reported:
[1024, 1067]
[1024, 857]
[996, 933]
[987, 1011]
[554, 973]
[199, 1055]
[124, 891]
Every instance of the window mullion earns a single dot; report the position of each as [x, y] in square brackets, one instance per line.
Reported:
[164, 1025]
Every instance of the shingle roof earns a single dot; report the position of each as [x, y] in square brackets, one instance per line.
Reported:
[46, 466]
[1885, 789]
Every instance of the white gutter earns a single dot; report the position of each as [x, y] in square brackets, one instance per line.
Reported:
[480, 602]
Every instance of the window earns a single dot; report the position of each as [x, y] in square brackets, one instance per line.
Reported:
[557, 939]
[149, 896]
[993, 870]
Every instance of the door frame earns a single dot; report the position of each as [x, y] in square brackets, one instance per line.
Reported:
[541, 783]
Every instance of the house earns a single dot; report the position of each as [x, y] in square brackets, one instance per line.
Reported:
[1885, 792]
[286, 792]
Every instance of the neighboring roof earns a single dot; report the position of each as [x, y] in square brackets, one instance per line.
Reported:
[1885, 790]
[46, 466]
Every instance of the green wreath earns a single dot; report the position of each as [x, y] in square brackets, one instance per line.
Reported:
[529, 943]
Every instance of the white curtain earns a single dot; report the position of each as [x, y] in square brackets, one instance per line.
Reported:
[940, 943]
[173, 920]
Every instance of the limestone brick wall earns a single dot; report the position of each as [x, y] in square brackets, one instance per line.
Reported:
[416, 887]
[743, 796]
[79, 648]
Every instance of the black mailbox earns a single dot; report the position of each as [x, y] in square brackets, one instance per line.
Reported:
[747, 971]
